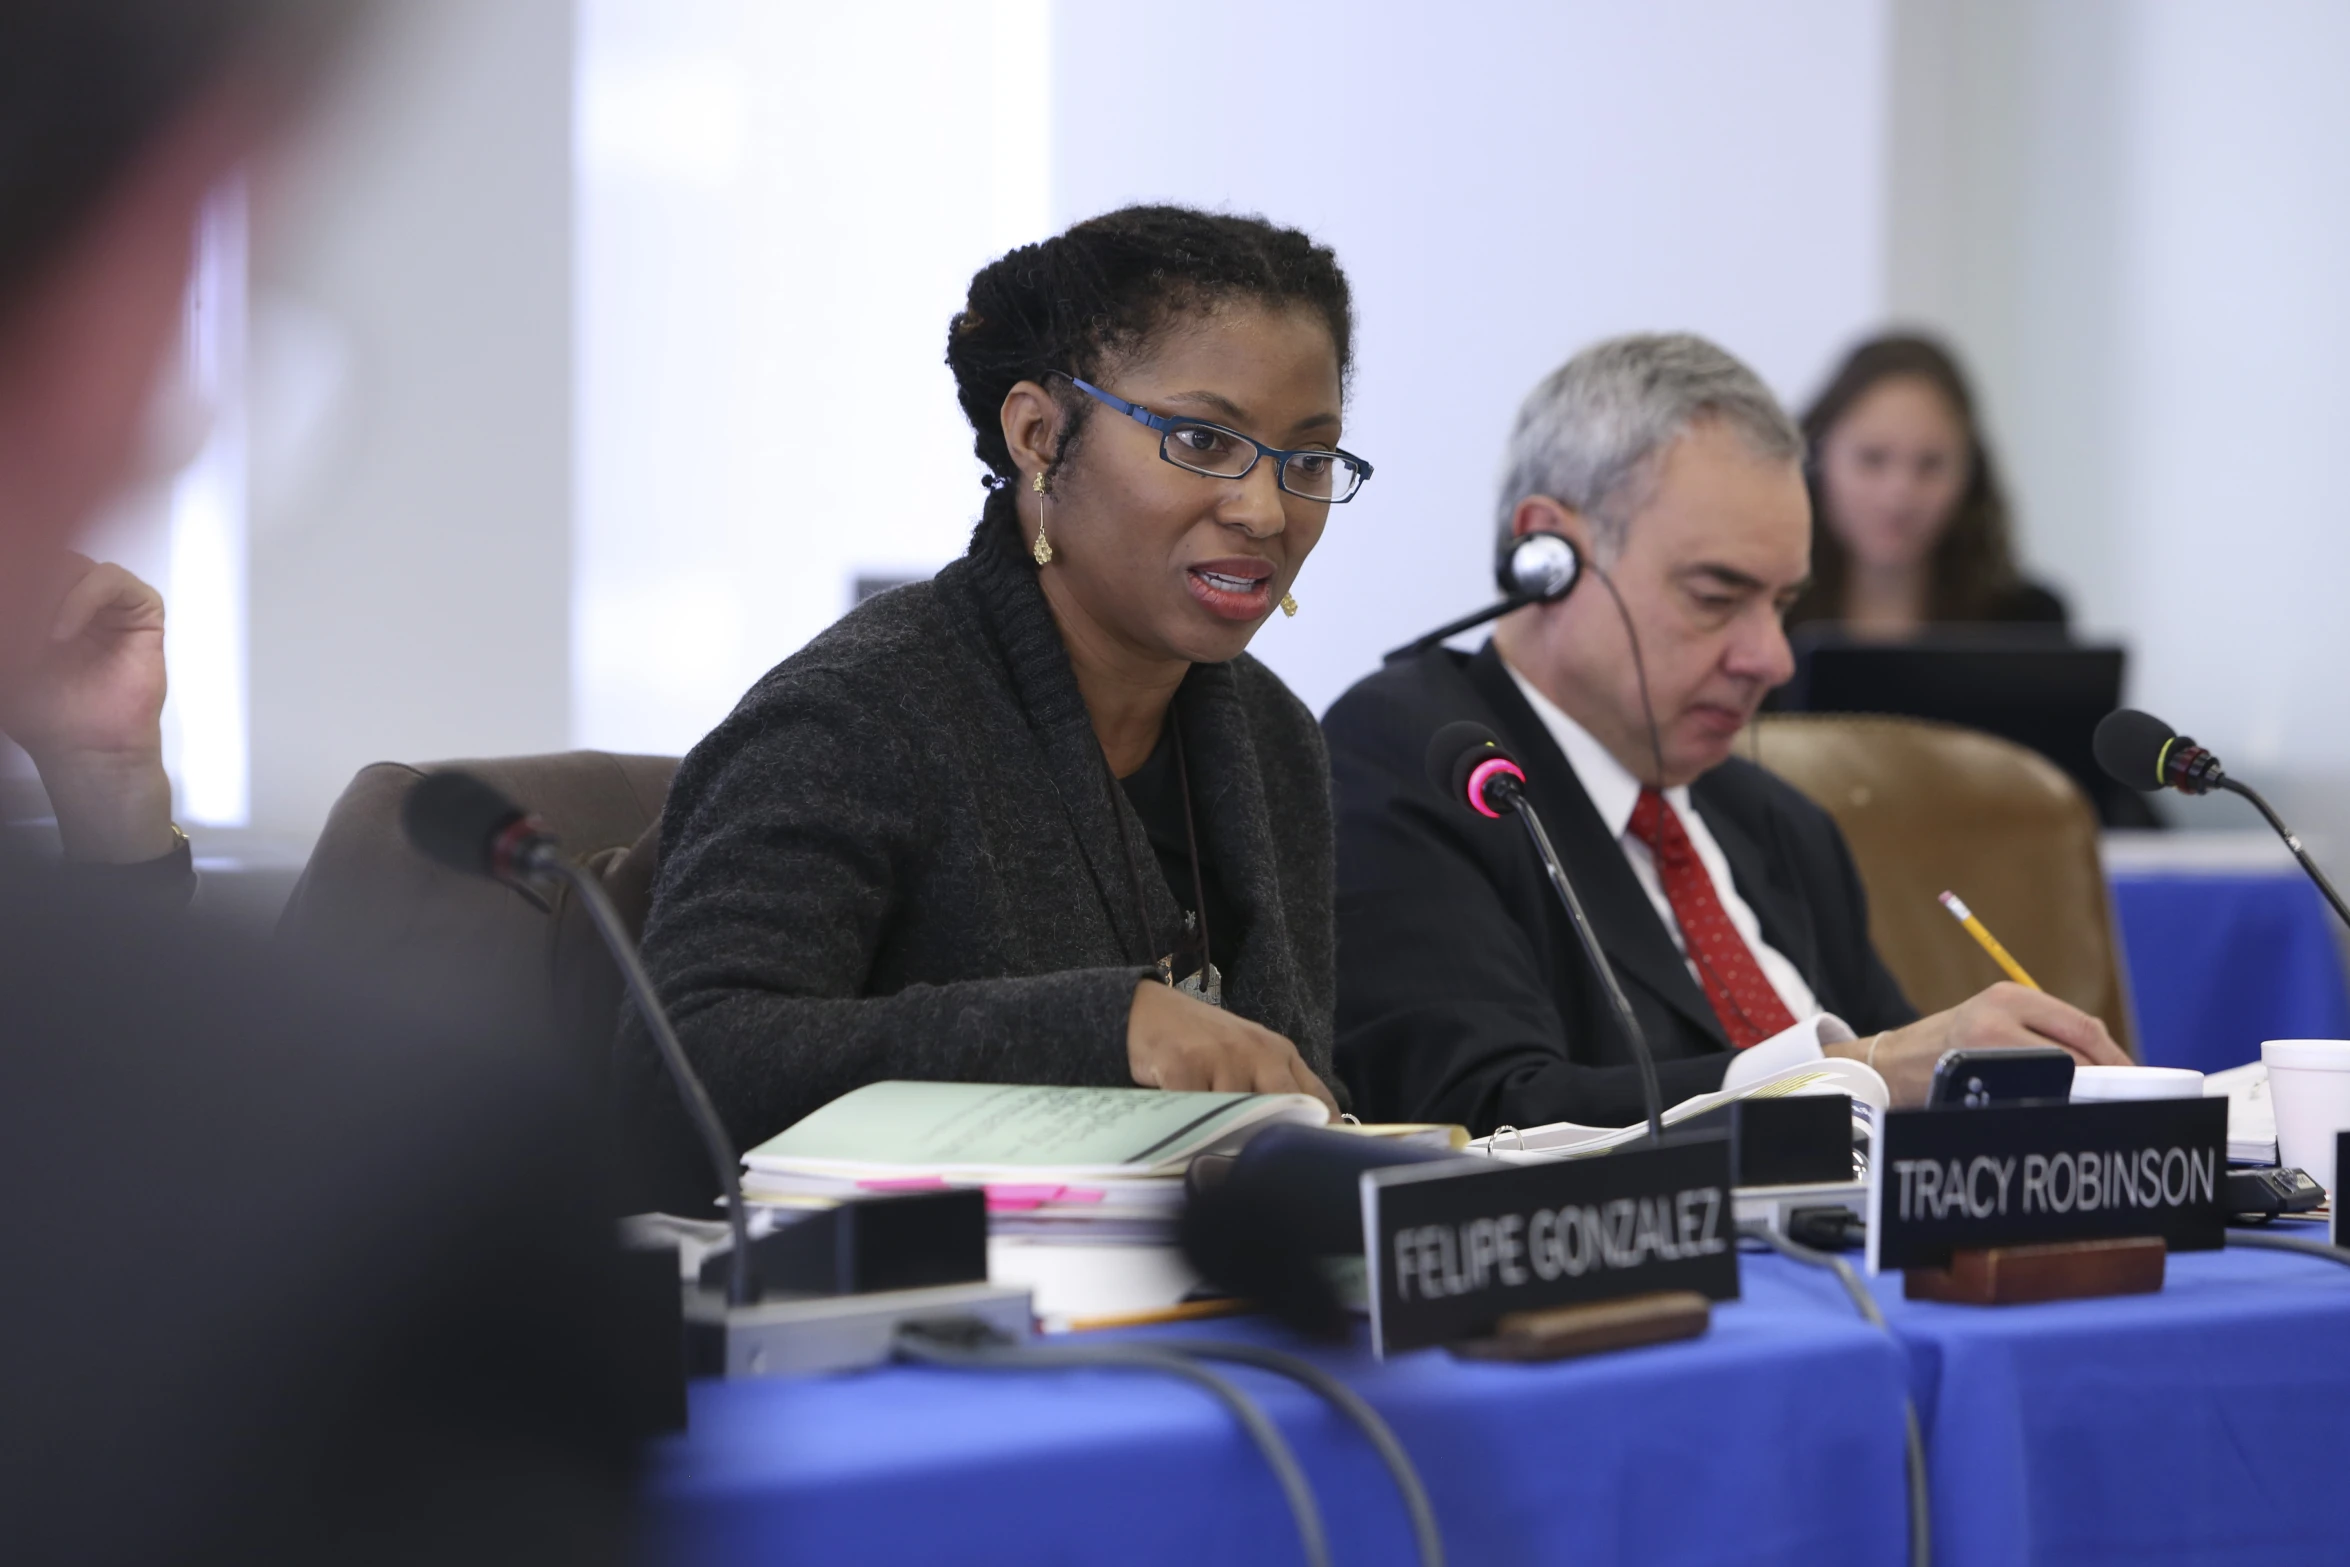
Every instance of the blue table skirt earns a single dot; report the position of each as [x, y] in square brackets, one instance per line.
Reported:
[2218, 963]
[2205, 1424]
[1775, 1438]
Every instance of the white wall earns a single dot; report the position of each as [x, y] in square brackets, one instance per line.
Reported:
[777, 221]
[1504, 183]
[411, 505]
[2135, 217]
[2234, 407]
[780, 207]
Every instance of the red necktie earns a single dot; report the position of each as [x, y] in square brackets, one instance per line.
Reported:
[1749, 1009]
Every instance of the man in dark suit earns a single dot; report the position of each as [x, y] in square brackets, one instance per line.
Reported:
[1727, 902]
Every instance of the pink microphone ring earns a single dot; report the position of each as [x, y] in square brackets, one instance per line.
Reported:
[1485, 773]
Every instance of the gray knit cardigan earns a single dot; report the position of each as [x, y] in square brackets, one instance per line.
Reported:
[899, 858]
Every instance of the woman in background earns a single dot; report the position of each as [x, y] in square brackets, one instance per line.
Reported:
[1910, 527]
[1041, 819]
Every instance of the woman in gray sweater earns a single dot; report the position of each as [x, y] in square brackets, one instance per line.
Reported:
[1041, 819]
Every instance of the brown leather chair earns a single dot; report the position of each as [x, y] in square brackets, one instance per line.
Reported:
[1928, 806]
[518, 960]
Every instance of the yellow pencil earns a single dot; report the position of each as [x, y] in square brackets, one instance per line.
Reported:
[1184, 1311]
[1989, 943]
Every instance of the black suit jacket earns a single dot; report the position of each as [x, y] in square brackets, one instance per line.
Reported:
[1463, 994]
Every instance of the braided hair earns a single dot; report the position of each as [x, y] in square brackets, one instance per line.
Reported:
[1107, 289]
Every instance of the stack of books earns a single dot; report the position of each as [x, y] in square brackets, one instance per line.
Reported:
[1060, 1165]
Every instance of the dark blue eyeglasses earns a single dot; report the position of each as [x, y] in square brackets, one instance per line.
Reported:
[1315, 474]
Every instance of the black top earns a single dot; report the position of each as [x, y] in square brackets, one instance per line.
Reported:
[901, 857]
[1155, 790]
[2027, 604]
[2022, 605]
[1463, 993]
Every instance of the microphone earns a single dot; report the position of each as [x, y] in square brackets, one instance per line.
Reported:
[1262, 1222]
[2140, 750]
[456, 820]
[1533, 568]
[1467, 764]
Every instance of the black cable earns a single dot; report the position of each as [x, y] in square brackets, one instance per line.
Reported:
[1210, 992]
[1656, 744]
[1352, 1405]
[927, 1344]
[1921, 1522]
[1656, 750]
[606, 919]
[2269, 1240]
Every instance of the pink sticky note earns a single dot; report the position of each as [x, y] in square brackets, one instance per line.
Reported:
[1014, 1195]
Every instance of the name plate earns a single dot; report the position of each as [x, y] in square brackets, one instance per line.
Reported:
[1448, 1251]
[1951, 1179]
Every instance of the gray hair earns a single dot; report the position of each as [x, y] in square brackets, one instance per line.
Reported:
[1590, 435]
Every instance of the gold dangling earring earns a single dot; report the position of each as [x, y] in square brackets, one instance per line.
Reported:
[1289, 605]
[1042, 551]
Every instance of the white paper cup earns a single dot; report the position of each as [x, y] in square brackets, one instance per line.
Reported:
[2309, 1087]
[2105, 1084]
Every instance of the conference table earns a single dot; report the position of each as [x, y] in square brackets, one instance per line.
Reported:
[2202, 1424]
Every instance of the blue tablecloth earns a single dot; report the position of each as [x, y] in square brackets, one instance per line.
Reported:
[2205, 1424]
[1775, 1438]
[2202, 1425]
[2220, 962]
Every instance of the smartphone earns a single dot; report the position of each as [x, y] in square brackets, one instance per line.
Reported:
[2002, 1077]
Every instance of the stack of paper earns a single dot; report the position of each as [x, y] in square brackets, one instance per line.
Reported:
[1566, 1140]
[1100, 1165]
[2252, 1119]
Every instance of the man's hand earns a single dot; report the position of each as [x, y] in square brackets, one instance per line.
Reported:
[2005, 1017]
[1179, 1041]
[87, 704]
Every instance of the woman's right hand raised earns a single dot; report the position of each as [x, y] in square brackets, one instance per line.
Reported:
[1179, 1041]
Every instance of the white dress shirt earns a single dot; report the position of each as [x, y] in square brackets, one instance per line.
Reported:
[1613, 793]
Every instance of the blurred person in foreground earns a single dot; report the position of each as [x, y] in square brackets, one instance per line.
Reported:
[86, 704]
[1042, 819]
[290, 1279]
[1911, 527]
[1727, 901]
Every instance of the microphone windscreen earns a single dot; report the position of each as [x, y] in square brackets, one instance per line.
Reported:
[454, 819]
[1263, 1224]
[1453, 751]
[2128, 745]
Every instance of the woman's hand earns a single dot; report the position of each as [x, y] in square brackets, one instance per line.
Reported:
[2005, 1017]
[1178, 1041]
[88, 708]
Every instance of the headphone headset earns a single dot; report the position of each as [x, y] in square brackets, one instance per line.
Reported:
[1538, 567]
[1534, 568]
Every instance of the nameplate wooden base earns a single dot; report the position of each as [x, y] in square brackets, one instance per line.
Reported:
[2055, 1270]
[1564, 1331]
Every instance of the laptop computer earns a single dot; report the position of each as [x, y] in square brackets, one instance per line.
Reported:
[2022, 686]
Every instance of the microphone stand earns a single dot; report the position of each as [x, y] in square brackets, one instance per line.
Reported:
[787, 1333]
[1454, 628]
[546, 860]
[1511, 793]
[2292, 842]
